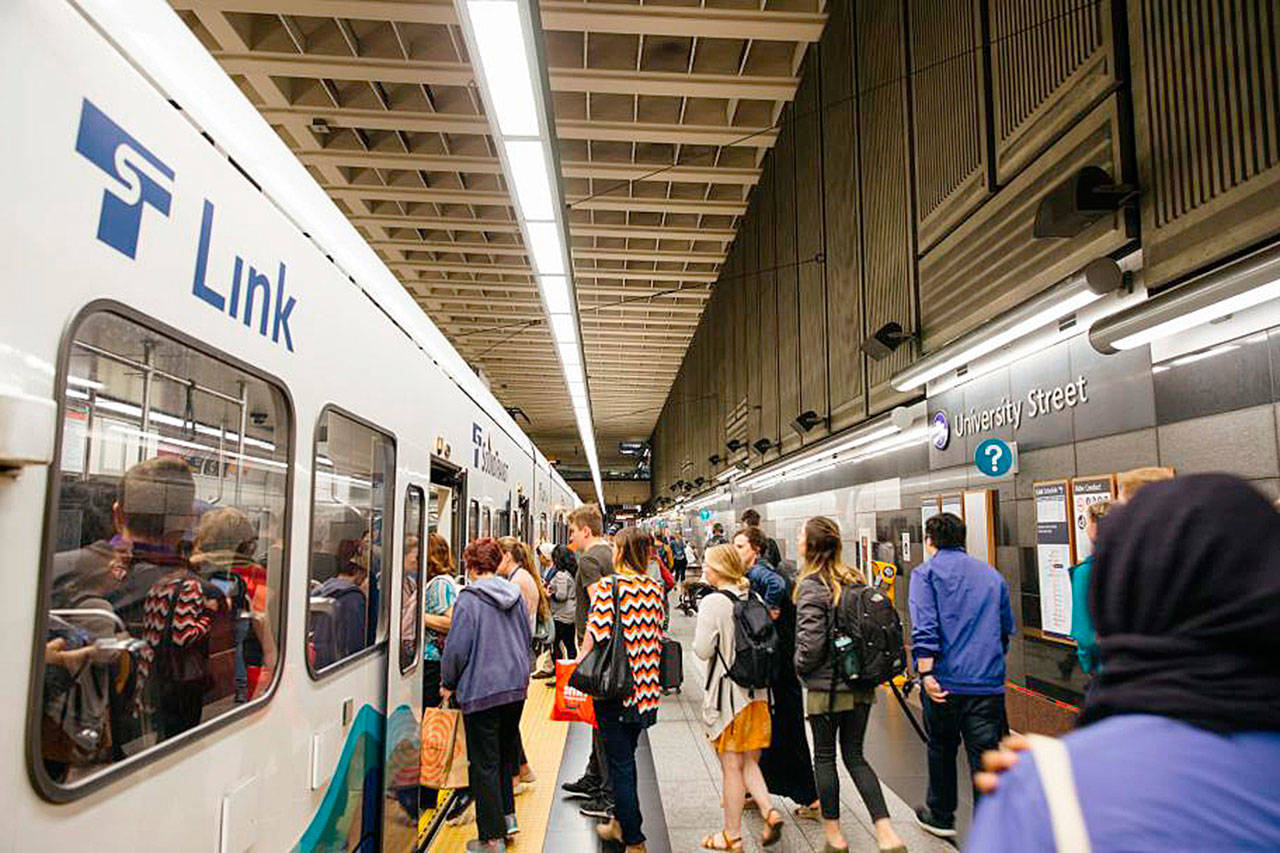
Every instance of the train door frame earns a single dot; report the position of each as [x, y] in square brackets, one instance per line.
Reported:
[454, 477]
[403, 688]
[526, 519]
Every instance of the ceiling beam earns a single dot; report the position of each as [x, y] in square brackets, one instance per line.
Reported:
[444, 247]
[438, 195]
[511, 269]
[595, 80]
[426, 287]
[490, 165]
[638, 232]
[425, 121]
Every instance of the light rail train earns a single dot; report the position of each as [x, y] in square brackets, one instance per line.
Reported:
[206, 374]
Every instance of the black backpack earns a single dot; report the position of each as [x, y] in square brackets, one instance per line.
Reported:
[866, 638]
[756, 650]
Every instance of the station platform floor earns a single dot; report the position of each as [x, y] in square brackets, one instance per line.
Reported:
[679, 781]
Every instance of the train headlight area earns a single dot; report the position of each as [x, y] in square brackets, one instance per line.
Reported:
[892, 378]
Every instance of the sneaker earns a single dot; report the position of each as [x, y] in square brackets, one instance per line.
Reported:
[527, 775]
[935, 825]
[520, 787]
[475, 845]
[587, 786]
[544, 673]
[513, 828]
[599, 807]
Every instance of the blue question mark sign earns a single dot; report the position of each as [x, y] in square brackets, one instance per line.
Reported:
[993, 457]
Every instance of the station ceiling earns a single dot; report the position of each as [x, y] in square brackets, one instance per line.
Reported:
[664, 113]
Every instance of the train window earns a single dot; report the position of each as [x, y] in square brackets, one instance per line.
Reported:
[473, 521]
[542, 527]
[486, 524]
[166, 574]
[411, 579]
[350, 519]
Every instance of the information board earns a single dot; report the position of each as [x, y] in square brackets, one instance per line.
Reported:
[1053, 555]
[1086, 491]
[929, 507]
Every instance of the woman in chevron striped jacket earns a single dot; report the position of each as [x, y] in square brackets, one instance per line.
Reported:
[642, 614]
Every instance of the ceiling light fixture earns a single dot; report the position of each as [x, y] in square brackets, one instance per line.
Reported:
[504, 40]
[1250, 281]
[1092, 282]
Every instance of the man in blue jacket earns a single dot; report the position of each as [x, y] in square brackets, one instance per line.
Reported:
[960, 627]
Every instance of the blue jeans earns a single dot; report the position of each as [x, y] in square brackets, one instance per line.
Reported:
[620, 736]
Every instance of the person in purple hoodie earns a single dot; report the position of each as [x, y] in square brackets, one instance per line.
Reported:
[1179, 742]
[485, 668]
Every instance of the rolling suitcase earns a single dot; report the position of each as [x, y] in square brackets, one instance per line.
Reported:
[671, 668]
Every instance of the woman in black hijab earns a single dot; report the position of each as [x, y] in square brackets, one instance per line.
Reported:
[1179, 747]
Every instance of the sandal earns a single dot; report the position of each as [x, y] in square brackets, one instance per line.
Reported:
[721, 841]
[807, 813]
[772, 829]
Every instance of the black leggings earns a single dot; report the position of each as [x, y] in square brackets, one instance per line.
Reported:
[564, 646]
[850, 727]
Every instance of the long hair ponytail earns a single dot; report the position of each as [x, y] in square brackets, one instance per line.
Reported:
[822, 552]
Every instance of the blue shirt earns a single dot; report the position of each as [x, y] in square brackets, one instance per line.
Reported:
[767, 583]
[1147, 783]
[960, 617]
[440, 595]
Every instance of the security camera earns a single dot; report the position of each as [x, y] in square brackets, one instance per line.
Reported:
[1080, 201]
[884, 341]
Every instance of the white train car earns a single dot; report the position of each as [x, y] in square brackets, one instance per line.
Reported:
[211, 388]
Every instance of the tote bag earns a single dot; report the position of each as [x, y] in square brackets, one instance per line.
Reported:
[444, 749]
[571, 705]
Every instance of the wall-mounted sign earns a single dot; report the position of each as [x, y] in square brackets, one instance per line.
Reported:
[995, 457]
[1012, 411]
[1053, 555]
[929, 507]
[486, 458]
[906, 546]
[1086, 491]
[940, 431]
[704, 514]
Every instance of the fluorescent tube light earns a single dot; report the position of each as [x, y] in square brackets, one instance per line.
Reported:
[1200, 316]
[546, 248]
[569, 354]
[979, 344]
[504, 61]
[563, 329]
[555, 291]
[81, 382]
[527, 162]
[1236, 287]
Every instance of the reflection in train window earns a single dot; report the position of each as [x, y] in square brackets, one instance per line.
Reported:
[167, 576]
[542, 528]
[473, 521]
[411, 579]
[350, 518]
[486, 523]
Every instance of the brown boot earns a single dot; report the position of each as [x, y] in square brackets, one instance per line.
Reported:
[611, 831]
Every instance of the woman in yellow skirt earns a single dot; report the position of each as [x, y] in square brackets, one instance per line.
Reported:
[736, 718]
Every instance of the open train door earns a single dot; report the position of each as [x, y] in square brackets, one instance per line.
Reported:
[446, 514]
[403, 741]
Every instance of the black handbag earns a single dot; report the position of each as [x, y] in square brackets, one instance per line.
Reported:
[605, 673]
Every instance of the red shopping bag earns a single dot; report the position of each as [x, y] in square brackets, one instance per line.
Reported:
[571, 706]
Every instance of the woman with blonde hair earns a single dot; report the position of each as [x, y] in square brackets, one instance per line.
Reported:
[736, 718]
[837, 712]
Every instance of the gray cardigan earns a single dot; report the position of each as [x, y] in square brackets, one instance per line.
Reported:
[814, 612]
